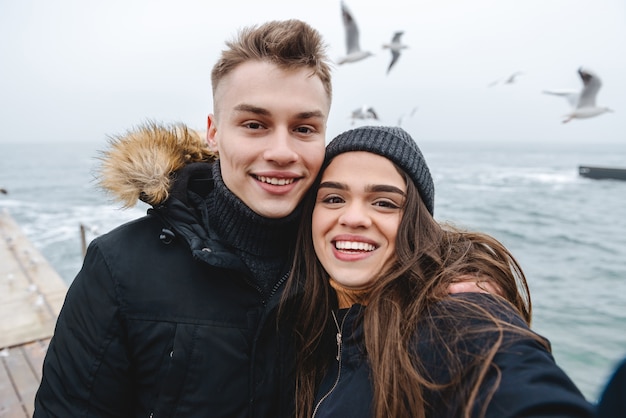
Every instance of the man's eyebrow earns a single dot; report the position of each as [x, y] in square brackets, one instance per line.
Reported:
[310, 114]
[243, 107]
[252, 109]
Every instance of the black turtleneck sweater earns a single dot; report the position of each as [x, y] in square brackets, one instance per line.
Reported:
[263, 244]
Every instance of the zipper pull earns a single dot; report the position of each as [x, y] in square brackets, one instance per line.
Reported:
[338, 336]
[338, 345]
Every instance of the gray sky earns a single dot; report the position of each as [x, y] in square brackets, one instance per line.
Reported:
[78, 70]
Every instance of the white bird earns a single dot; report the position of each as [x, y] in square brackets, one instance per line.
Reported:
[570, 95]
[509, 80]
[363, 113]
[395, 46]
[586, 105]
[401, 118]
[353, 50]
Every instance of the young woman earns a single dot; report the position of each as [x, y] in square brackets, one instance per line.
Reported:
[378, 334]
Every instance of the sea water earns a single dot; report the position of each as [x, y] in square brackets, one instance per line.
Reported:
[567, 232]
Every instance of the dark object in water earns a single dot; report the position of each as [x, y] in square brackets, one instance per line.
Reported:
[602, 172]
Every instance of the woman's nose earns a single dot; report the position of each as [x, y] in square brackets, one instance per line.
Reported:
[355, 215]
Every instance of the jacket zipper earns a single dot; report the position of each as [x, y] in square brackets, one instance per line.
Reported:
[274, 289]
[278, 285]
[169, 225]
[339, 336]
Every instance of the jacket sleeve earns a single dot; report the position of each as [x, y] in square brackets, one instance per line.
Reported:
[86, 371]
[612, 401]
[522, 380]
[533, 385]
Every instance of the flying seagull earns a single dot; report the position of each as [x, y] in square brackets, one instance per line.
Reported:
[401, 118]
[363, 112]
[586, 105]
[353, 49]
[570, 95]
[509, 80]
[395, 46]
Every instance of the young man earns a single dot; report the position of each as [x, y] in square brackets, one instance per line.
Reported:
[174, 314]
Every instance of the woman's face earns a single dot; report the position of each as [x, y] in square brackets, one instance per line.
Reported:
[356, 217]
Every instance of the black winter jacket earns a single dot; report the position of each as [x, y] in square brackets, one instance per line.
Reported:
[531, 385]
[164, 321]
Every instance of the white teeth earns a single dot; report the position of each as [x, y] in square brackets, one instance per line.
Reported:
[354, 245]
[275, 181]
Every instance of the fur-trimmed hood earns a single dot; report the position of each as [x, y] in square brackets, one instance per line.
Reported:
[139, 165]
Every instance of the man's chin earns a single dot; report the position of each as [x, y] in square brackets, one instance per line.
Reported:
[276, 211]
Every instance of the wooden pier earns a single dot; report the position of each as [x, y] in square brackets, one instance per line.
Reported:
[31, 296]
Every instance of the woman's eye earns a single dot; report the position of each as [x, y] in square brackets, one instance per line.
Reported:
[386, 204]
[332, 199]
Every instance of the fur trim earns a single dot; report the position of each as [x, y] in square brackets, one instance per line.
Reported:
[140, 164]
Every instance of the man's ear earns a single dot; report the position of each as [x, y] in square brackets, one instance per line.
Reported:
[211, 131]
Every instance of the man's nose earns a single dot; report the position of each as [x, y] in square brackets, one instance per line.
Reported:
[280, 148]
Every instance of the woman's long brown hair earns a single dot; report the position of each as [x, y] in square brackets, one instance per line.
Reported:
[429, 257]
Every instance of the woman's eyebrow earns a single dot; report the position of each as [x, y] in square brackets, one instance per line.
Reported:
[385, 188]
[373, 188]
[333, 185]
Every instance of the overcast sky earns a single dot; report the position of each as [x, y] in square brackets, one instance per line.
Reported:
[78, 70]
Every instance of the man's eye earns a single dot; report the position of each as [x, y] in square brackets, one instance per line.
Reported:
[253, 125]
[304, 129]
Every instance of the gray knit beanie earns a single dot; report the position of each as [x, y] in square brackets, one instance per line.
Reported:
[393, 143]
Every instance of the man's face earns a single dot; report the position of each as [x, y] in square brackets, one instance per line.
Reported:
[269, 129]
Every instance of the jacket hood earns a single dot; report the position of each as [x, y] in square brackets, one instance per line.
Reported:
[140, 164]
